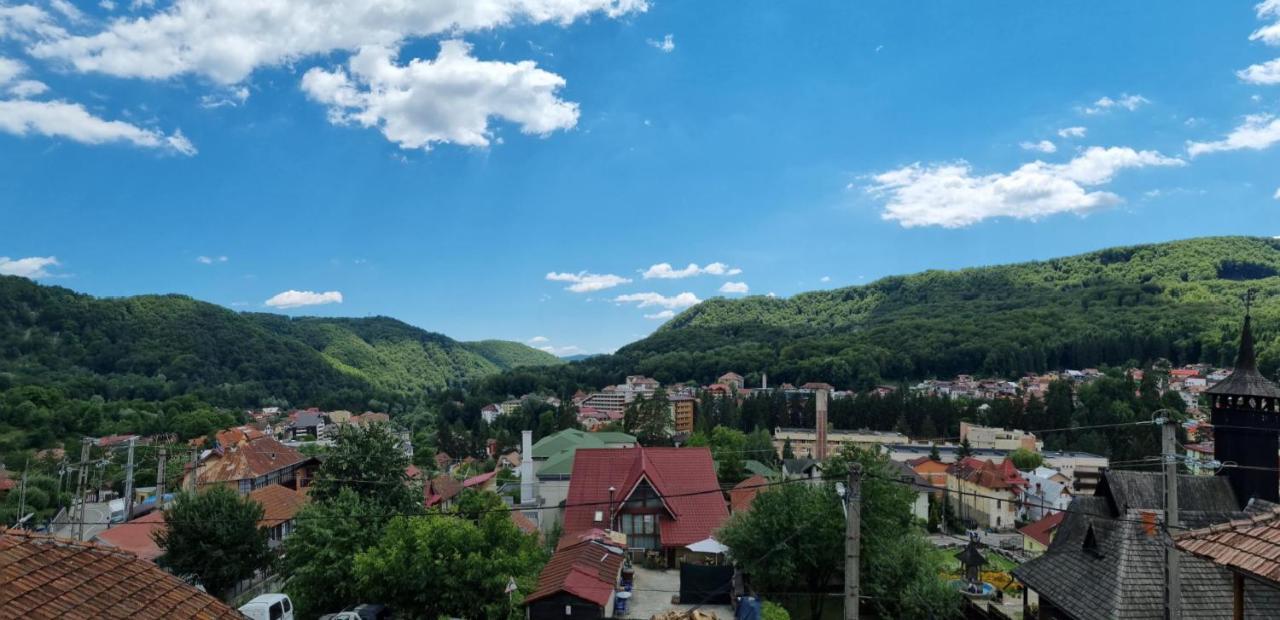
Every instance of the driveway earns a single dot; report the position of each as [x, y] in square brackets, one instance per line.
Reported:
[652, 593]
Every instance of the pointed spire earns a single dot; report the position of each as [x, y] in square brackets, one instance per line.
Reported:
[1245, 359]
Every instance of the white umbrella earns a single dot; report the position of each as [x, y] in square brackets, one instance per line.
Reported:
[709, 545]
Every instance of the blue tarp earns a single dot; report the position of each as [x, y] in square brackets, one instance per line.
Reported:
[748, 608]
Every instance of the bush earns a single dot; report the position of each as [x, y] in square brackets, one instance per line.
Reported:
[774, 611]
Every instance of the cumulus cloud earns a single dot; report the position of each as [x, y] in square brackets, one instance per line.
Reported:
[1043, 146]
[298, 299]
[740, 288]
[664, 271]
[61, 119]
[1257, 132]
[10, 69]
[657, 316]
[647, 300]
[584, 282]
[1127, 102]
[209, 260]
[538, 340]
[448, 99]
[824, 279]
[569, 349]
[666, 44]
[1265, 73]
[34, 267]
[1277, 195]
[226, 40]
[952, 196]
[1072, 132]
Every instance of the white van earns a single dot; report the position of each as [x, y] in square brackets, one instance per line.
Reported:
[118, 511]
[269, 607]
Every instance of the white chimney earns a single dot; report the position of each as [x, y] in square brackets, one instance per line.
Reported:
[764, 380]
[821, 424]
[528, 483]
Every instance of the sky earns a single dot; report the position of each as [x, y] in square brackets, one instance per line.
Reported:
[571, 173]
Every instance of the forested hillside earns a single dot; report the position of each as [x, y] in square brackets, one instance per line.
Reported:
[1179, 300]
[507, 355]
[155, 347]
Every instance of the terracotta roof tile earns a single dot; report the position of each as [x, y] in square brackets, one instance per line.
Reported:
[250, 459]
[279, 504]
[588, 570]
[1249, 546]
[745, 492]
[135, 536]
[1042, 531]
[53, 578]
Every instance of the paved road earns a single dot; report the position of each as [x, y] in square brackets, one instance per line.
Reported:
[96, 516]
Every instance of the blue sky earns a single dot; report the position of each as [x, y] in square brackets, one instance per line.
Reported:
[461, 165]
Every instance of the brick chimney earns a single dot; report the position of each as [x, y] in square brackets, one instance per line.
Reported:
[820, 446]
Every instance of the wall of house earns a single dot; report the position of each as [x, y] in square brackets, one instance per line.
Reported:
[989, 508]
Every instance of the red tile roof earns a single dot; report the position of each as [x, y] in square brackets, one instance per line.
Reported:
[987, 474]
[60, 579]
[479, 481]
[745, 492]
[1042, 531]
[1250, 546]
[685, 478]
[135, 536]
[248, 459]
[279, 504]
[440, 489]
[588, 570]
[524, 523]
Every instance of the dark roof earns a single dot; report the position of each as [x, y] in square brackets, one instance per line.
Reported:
[1245, 380]
[1103, 562]
[798, 466]
[684, 479]
[1250, 546]
[55, 578]
[306, 419]
[588, 570]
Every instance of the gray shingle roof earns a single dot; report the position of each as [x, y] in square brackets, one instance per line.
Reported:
[1245, 380]
[1122, 576]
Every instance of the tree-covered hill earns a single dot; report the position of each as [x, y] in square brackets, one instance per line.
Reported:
[1179, 300]
[154, 347]
[507, 355]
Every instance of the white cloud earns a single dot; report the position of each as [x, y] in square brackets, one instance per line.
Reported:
[10, 69]
[824, 279]
[28, 88]
[449, 99]
[569, 349]
[646, 300]
[667, 44]
[1257, 132]
[61, 119]
[734, 287]
[538, 340]
[107, 5]
[1128, 102]
[1266, 73]
[1043, 146]
[297, 299]
[664, 271]
[951, 196]
[1277, 195]
[665, 314]
[584, 282]
[67, 10]
[209, 260]
[226, 40]
[1072, 132]
[232, 97]
[33, 267]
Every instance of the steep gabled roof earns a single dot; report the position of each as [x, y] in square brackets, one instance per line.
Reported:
[252, 458]
[588, 570]
[279, 504]
[60, 579]
[684, 477]
[1042, 531]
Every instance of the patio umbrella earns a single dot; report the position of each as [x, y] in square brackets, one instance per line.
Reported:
[709, 545]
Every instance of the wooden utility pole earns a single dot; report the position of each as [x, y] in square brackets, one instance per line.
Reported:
[1173, 580]
[128, 481]
[160, 456]
[193, 482]
[22, 498]
[84, 476]
[853, 542]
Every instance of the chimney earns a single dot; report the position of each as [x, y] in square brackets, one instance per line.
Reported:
[528, 484]
[820, 446]
[764, 380]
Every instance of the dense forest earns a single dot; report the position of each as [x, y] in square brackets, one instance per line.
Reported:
[1180, 301]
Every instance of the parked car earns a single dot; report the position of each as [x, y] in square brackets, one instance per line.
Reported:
[365, 611]
[269, 607]
[118, 511]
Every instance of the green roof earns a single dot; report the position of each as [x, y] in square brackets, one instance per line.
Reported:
[755, 467]
[572, 439]
[558, 465]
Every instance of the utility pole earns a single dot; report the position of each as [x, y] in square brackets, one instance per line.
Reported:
[128, 481]
[194, 481]
[853, 542]
[1173, 580]
[84, 476]
[22, 499]
[160, 456]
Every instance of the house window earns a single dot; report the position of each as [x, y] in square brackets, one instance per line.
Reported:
[641, 530]
[246, 485]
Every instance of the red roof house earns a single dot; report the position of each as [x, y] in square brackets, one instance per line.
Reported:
[582, 576]
[1038, 535]
[135, 536]
[662, 498]
[745, 492]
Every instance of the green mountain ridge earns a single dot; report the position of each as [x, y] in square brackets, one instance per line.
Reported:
[1180, 300]
[152, 347]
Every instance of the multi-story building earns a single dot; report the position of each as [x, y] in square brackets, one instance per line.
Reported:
[682, 412]
[1084, 469]
[985, 493]
[990, 438]
[804, 441]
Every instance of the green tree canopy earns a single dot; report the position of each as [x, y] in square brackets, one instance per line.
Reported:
[214, 538]
[369, 461]
[1025, 459]
[319, 553]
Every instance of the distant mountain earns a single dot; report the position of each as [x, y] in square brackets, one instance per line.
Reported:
[152, 347]
[1180, 300]
[578, 358]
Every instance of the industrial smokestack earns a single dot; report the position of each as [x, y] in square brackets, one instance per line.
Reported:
[764, 380]
[528, 483]
[820, 404]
